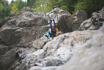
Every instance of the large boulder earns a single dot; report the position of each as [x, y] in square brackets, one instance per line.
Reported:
[87, 25]
[93, 23]
[79, 17]
[63, 19]
[69, 52]
[56, 13]
[3, 49]
[89, 56]
[65, 23]
[19, 31]
[102, 13]
[8, 59]
[23, 29]
[9, 37]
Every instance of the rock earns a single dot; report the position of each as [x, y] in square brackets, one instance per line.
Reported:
[87, 24]
[25, 28]
[51, 61]
[90, 24]
[79, 17]
[28, 35]
[8, 59]
[89, 55]
[35, 68]
[60, 49]
[44, 68]
[65, 23]
[91, 59]
[102, 13]
[32, 58]
[3, 49]
[19, 66]
[69, 52]
[63, 19]
[93, 23]
[63, 53]
[56, 13]
[9, 37]
[20, 31]
[78, 50]
[39, 43]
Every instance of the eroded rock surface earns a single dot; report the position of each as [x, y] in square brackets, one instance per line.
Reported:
[70, 51]
[23, 46]
[93, 23]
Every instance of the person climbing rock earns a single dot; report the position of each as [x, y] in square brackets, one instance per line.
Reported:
[53, 28]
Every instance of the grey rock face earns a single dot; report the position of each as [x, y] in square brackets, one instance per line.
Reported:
[3, 49]
[39, 43]
[26, 27]
[80, 50]
[87, 56]
[19, 32]
[62, 18]
[9, 36]
[65, 23]
[102, 13]
[79, 17]
[93, 23]
[56, 13]
[8, 59]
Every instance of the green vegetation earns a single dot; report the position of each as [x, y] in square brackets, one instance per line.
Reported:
[46, 5]
[16, 6]
[89, 5]
[4, 9]
[71, 5]
[9, 9]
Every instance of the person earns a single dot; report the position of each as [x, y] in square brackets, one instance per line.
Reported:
[52, 32]
[53, 28]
